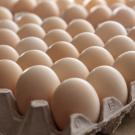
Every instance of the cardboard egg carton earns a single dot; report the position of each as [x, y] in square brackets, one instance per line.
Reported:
[38, 120]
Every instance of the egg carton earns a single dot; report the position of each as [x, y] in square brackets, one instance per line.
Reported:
[38, 120]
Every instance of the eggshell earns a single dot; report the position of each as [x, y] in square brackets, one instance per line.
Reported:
[8, 37]
[47, 9]
[9, 74]
[96, 56]
[70, 67]
[34, 57]
[125, 63]
[131, 33]
[37, 82]
[31, 29]
[99, 14]
[31, 43]
[108, 82]
[83, 99]
[61, 50]
[78, 26]
[54, 22]
[75, 12]
[57, 35]
[120, 44]
[85, 40]
[109, 29]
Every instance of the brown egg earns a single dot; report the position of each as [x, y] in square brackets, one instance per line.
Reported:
[99, 14]
[28, 18]
[5, 13]
[9, 74]
[108, 82]
[78, 26]
[85, 40]
[31, 43]
[120, 44]
[96, 56]
[34, 57]
[24, 5]
[37, 82]
[54, 22]
[61, 50]
[47, 9]
[83, 99]
[125, 16]
[7, 52]
[111, 2]
[109, 29]
[57, 35]
[70, 67]
[75, 12]
[125, 63]
[9, 24]
[31, 29]
[131, 33]
[8, 37]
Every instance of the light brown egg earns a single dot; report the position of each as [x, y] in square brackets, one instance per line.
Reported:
[111, 2]
[57, 35]
[83, 99]
[47, 9]
[108, 82]
[70, 67]
[9, 24]
[96, 56]
[85, 40]
[75, 12]
[109, 29]
[36, 82]
[125, 63]
[5, 13]
[9, 74]
[120, 44]
[54, 22]
[24, 5]
[131, 33]
[78, 26]
[31, 29]
[125, 16]
[8, 37]
[28, 18]
[61, 50]
[7, 52]
[31, 43]
[99, 14]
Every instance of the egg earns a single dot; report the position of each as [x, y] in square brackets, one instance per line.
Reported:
[109, 29]
[72, 96]
[78, 26]
[75, 12]
[61, 50]
[99, 14]
[34, 57]
[31, 43]
[96, 56]
[70, 67]
[57, 35]
[125, 63]
[5, 13]
[37, 82]
[131, 33]
[85, 40]
[120, 44]
[9, 24]
[117, 5]
[125, 16]
[31, 29]
[8, 37]
[9, 74]
[108, 82]
[111, 2]
[47, 9]
[54, 22]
